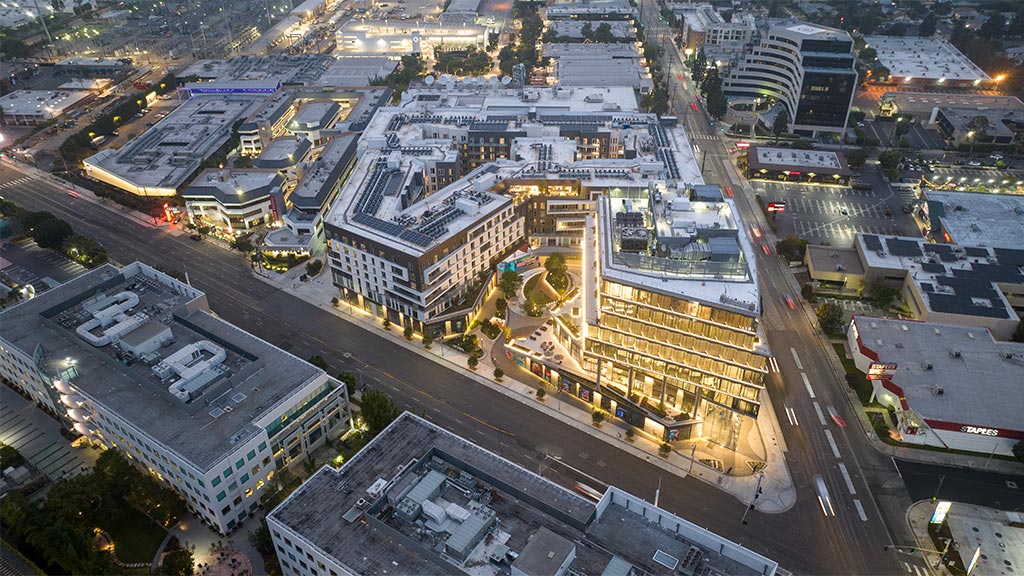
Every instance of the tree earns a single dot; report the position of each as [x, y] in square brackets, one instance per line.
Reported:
[780, 124]
[378, 411]
[501, 306]
[33, 219]
[541, 393]
[717, 105]
[350, 381]
[318, 361]
[1018, 450]
[84, 250]
[428, 339]
[510, 283]
[807, 291]
[994, 27]
[711, 82]
[473, 362]
[313, 267]
[604, 33]
[178, 563]
[587, 31]
[532, 305]
[14, 48]
[52, 233]
[927, 27]
[856, 158]
[792, 248]
[665, 449]
[597, 417]
[700, 64]
[902, 127]
[830, 315]
[407, 332]
[243, 245]
[555, 264]
[498, 374]
[977, 129]
[882, 294]
[868, 55]
[889, 159]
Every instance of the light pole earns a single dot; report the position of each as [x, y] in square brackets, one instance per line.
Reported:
[757, 492]
[693, 456]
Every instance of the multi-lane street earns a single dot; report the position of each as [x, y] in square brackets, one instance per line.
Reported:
[801, 539]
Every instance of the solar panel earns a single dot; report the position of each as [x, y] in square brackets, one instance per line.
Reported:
[416, 238]
[874, 243]
[933, 268]
[1009, 256]
[976, 252]
[903, 247]
[384, 226]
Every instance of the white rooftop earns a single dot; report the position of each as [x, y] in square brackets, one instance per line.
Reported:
[924, 58]
[975, 219]
[41, 102]
[799, 158]
[981, 386]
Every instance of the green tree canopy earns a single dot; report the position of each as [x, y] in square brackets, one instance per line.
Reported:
[830, 315]
[604, 33]
[791, 248]
[780, 124]
[378, 411]
[52, 233]
[856, 158]
[928, 25]
[510, 282]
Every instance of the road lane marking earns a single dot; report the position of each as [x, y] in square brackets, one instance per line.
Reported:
[799, 364]
[792, 416]
[807, 383]
[907, 566]
[896, 466]
[860, 510]
[821, 415]
[849, 481]
[832, 443]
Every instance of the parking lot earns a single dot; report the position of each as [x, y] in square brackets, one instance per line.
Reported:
[833, 215]
[967, 177]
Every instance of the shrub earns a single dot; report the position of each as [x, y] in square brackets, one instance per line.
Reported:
[387, 324]
[664, 450]
[334, 301]
[427, 340]
[541, 393]
[630, 435]
[597, 417]
[498, 373]
[313, 267]
[473, 362]
[407, 332]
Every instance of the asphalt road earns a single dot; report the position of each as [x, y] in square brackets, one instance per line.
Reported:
[801, 539]
[864, 487]
[976, 487]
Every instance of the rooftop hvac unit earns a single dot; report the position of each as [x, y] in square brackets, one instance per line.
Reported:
[940, 391]
[954, 354]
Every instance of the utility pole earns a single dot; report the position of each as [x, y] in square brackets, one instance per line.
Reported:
[657, 493]
[693, 456]
[942, 477]
[757, 492]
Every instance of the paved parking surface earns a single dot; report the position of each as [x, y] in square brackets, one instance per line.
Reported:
[969, 176]
[30, 264]
[834, 215]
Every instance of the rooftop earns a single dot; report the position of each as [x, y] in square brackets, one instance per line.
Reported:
[832, 259]
[321, 177]
[924, 58]
[980, 384]
[282, 152]
[164, 156]
[460, 509]
[925, 102]
[94, 62]
[951, 279]
[595, 64]
[382, 197]
[998, 119]
[45, 102]
[574, 28]
[568, 8]
[357, 70]
[807, 30]
[976, 219]
[995, 531]
[235, 186]
[211, 405]
[293, 70]
[822, 161]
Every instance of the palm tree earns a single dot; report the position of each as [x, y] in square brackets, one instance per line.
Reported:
[977, 128]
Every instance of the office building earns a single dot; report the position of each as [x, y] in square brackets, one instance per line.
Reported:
[598, 65]
[235, 199]
[804, 67]
[704, 26]
[952, 387]
[93, 67]
[421, 500]
[398, 38]
[926, 63]
[452, 183]
[591, 10]
[969, 126]
[133, 359]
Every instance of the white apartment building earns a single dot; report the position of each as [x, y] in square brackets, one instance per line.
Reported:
[133, 359]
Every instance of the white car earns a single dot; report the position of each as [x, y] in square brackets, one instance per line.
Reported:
[823, 498]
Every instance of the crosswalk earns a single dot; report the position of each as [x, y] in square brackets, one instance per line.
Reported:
[703, 137]
[15, 183]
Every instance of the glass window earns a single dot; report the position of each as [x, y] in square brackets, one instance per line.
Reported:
[221, 496]
[216, 481]
[250, 455]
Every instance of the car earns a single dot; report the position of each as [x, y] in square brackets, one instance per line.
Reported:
[974, 163]
[836, 417]
[766, 249]
[74, 194]
[860, 124]
[728, 191]
[693, 105]
[680, 76]
[996, 156]
[844, 211]
[195, 237]
[790, 303]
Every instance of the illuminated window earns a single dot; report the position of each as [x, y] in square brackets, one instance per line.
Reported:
[248, 492]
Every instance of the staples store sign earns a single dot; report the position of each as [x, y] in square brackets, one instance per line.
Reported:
[979, 430]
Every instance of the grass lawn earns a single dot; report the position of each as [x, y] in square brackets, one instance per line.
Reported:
[863, 386]
[539, 295]
[136, 537]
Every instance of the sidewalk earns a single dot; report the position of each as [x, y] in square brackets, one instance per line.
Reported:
[778, 494]
[90, 196]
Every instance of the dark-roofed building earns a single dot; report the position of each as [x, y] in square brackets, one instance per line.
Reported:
[953, 387]
[793, 165]
[134, 359]
[950, 284]
[421, 500]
